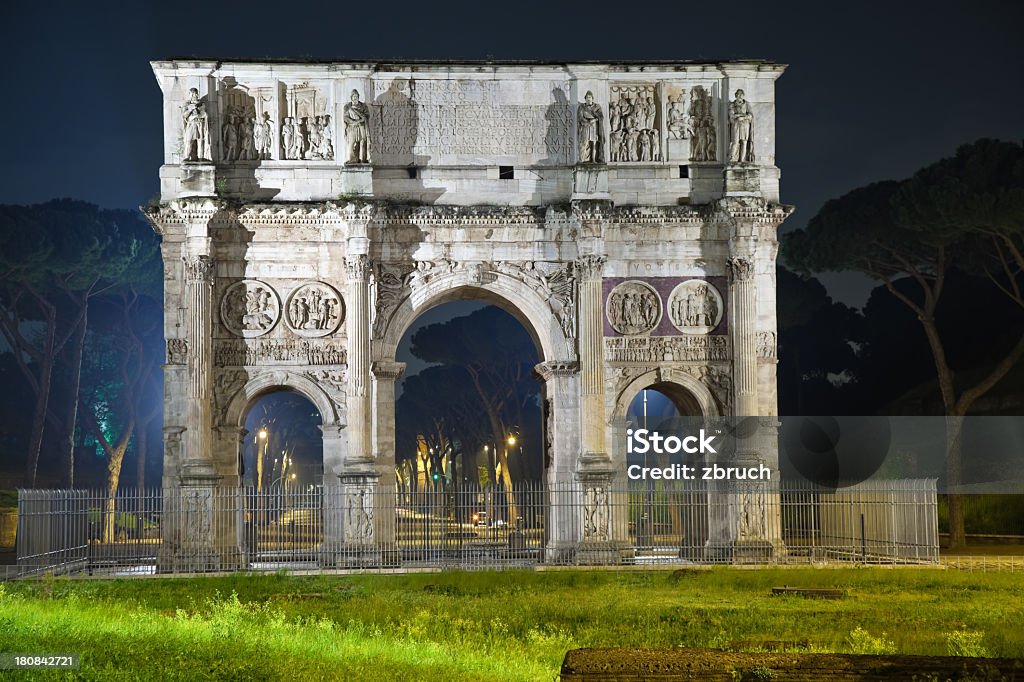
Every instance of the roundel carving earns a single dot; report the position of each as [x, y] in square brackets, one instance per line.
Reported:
[250, 308]
[314, 309]
[695, 307]
[633, 307]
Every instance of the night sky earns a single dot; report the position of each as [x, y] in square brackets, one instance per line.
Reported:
[873, 90]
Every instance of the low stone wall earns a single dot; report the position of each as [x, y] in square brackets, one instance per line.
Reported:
[621, 664]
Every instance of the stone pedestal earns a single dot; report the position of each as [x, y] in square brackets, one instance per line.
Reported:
[742, 180]
[705, 181]
[356, 180]
[198, 179]
[597, 545]
[590, 181]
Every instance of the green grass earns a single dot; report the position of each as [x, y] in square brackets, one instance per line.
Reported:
[487, 625]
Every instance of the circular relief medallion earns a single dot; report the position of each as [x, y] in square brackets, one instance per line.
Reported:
[633, 307]
[314, 309]
[250, 308]
[695, 307]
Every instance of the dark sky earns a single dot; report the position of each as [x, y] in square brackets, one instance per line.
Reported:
[873, 90]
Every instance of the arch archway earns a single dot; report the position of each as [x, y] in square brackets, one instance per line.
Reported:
[534, 312]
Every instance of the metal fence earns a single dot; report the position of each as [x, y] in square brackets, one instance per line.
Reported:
[192, 530]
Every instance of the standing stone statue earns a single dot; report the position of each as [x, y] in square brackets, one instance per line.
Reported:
[263, 135]
[357, 127]
[246, 128]
[326, 146]
[195, 129]
[588, 119]
[287, 132]
[741, 123]
[229, 138]
[702, 126]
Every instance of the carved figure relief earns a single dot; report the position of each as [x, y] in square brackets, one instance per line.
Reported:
[250, 308]
[177, 351]
[652, 350]
[633, 307]
[226, 383]
[766, 345]
[284, 351]
[741, 128]
[314, 309]
[595, 514]
[357, 130]
[703, 140]
[634, 131]
[389, 282]
[195, 132]
[590, 130]
[263, 136]
[677, 119]
[695, 307]
[359, 509]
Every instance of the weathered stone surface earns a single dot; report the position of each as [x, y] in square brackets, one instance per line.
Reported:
[310, 212]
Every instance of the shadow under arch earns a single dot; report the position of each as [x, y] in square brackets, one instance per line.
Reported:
[691, 397]
[504, 291]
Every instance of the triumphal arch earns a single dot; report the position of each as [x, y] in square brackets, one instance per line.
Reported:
[625, 213]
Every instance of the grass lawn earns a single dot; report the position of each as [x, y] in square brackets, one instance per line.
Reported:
[488, 625]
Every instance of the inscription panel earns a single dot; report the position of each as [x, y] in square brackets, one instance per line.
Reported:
[465, 118]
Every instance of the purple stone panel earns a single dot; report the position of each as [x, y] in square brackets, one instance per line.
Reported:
[664, 287]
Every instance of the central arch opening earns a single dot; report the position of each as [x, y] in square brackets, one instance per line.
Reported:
[469, 426]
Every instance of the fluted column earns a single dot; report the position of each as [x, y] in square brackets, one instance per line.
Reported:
[199, 272]
[359, 451]
[744, 335]
[591, 340]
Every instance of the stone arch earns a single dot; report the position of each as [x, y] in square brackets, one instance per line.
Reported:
[676, 383]
[511, 294]
[265, 382]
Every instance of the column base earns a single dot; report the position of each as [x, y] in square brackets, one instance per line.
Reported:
[608, 553]
[748, 551]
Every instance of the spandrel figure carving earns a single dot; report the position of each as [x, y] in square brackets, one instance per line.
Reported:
[741, 123]
[588, 118]
[357, 135]
[195, 129]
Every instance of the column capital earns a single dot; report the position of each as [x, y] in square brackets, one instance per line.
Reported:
[387, 369]
[590, 267]
[556, 368]
[740, 269]
[358, 267]
[199, 269]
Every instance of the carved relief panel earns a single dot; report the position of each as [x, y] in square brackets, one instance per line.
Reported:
[314, 309]
[250, 308]
[307, 128]
[634, 124]
[633, 307]
[695, 307]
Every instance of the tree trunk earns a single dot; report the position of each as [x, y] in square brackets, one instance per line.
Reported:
[141, 440]
[954, 440]
[35, 442]
[114, 462]
[75, 352]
